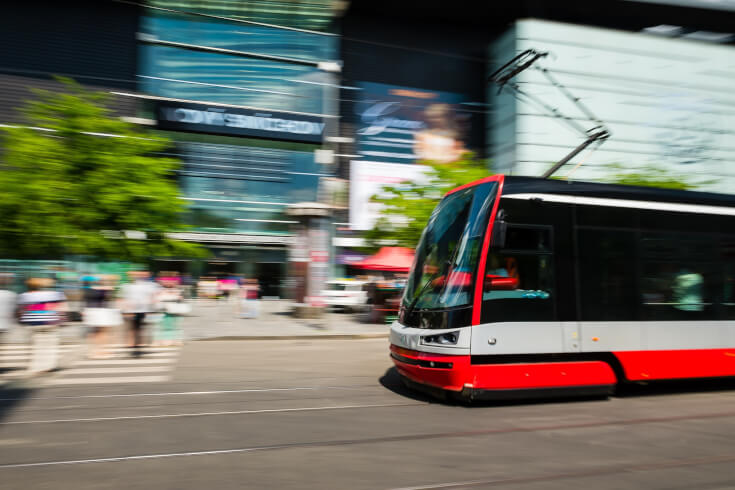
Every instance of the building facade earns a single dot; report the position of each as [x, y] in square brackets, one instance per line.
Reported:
[665, 100]
[269, 104]
[244, 91]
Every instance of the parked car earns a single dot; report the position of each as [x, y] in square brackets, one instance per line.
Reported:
[345, 294]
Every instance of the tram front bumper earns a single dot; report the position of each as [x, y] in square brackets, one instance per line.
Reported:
[436, 370]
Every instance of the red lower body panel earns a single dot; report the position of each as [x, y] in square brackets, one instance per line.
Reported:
[417, 367]
[677, 364]
[543, 375]
[457, 373]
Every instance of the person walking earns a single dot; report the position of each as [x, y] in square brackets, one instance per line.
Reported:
[138, 299]
[99, 315]
[42, 310]
[249, 293]
[170, 300]
[8, 304]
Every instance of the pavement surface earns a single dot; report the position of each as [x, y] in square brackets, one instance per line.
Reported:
[323, 413]
[221, 320]
[212, 320]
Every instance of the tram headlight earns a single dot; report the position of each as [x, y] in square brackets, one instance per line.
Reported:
[448, 338]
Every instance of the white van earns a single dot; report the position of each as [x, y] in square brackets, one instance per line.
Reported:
[346, 294]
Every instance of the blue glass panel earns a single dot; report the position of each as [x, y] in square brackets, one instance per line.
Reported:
[191, 75]
[246, 189]
[240, 37]
[314, 15]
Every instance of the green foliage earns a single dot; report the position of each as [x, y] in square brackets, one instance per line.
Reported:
[78, 178]
[652, 176]
[407, 207]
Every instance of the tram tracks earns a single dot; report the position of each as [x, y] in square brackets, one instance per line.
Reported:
[568, 475]
[415, 438]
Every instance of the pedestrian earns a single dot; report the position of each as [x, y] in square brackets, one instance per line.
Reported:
[225, 287]
[42, 310]
[170, 300]
[207, 288]
[137, 300]
[99, 315]
[8, 304]
[249, 303]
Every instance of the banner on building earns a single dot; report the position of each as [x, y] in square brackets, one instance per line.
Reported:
[407, 125]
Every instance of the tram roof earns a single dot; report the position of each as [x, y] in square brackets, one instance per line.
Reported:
[534, 185]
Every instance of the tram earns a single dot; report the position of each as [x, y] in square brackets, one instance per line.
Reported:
[526, 287]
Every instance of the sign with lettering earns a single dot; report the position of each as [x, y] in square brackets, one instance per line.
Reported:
[203, 118]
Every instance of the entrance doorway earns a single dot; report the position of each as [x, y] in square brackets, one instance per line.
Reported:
[270, 277]
[221, 268]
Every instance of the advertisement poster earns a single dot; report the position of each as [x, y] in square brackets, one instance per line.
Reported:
[406, 125]
[367, 179]
[398, 129]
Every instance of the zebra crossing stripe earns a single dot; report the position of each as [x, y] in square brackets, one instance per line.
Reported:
[119, 368]
[132, 362]
[114, 370]
[107, 380]
[152, 350]
[27, 346]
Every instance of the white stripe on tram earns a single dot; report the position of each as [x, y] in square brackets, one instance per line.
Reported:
[626, 203]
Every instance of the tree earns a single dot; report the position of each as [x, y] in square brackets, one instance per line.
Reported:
[407, 207]
[77, 180]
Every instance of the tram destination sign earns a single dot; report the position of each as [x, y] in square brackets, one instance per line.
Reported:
[202, 118]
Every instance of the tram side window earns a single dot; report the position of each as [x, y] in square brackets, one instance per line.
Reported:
[518, 285]
[607, 265]
[678, 277]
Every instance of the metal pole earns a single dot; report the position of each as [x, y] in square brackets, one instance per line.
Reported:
[591, 139]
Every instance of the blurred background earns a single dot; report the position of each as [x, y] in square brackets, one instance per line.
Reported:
[176, 170]
[268, 107]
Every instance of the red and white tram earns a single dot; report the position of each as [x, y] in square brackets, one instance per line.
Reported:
[523, 286]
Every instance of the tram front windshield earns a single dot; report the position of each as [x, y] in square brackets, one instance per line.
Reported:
[443, 274]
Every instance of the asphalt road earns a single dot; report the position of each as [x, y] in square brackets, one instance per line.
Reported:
[332, 414]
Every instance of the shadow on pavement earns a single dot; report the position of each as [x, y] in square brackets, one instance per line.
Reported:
[395, 383]
[674, 387]
[10, 398]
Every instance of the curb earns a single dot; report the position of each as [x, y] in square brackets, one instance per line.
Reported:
[336, 336]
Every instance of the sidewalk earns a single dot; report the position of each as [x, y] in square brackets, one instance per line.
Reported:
[218, 320]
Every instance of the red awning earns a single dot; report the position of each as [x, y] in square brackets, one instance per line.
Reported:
[394, 259]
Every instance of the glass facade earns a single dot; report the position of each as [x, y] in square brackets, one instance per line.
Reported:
[233, 79]
[235, 185]
[240, 184]
[314, 15]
